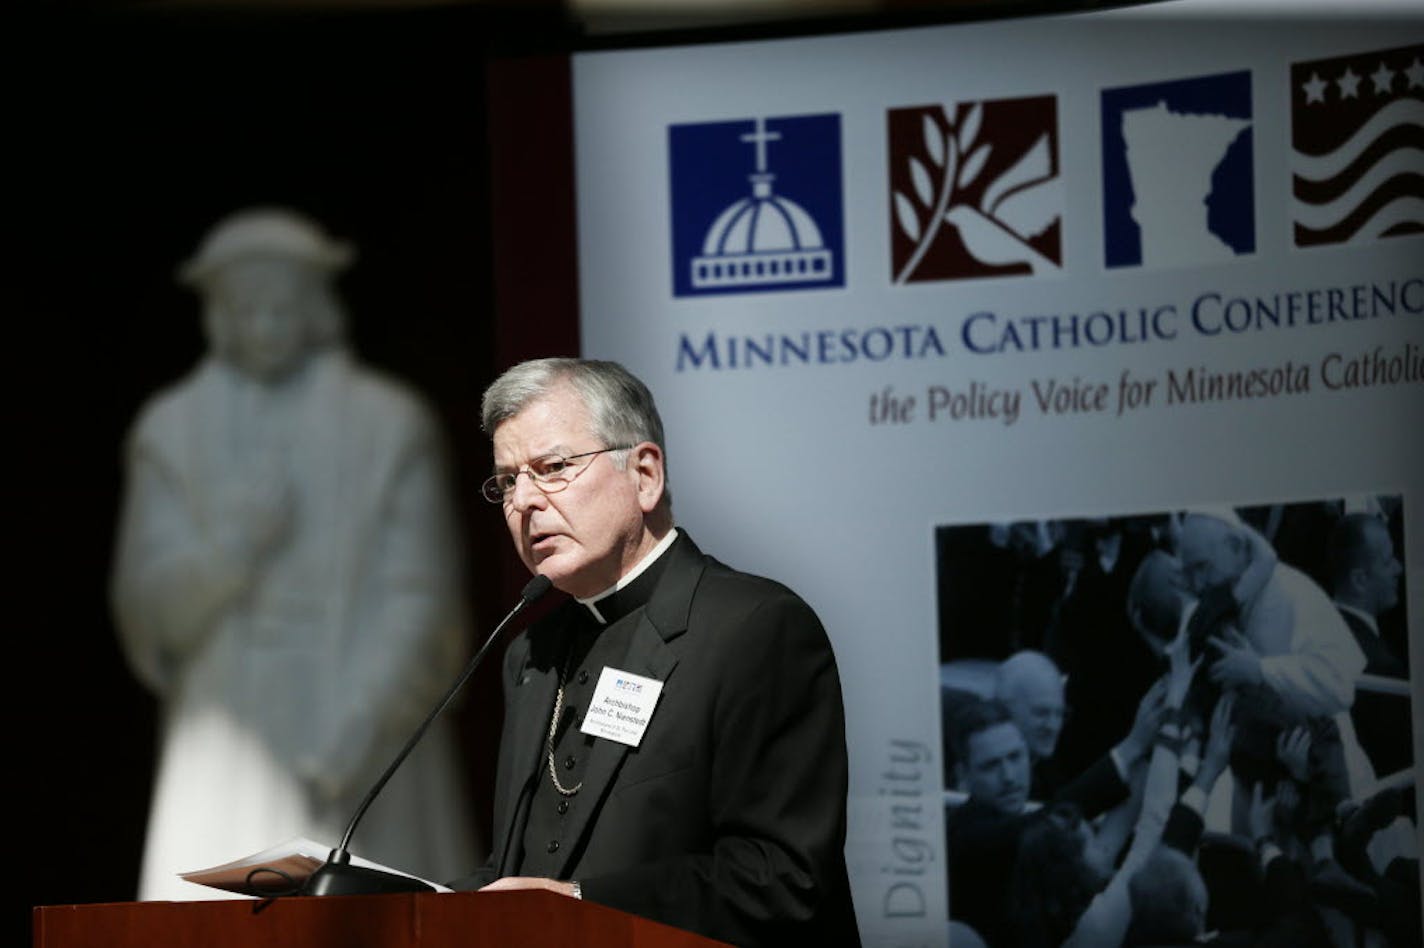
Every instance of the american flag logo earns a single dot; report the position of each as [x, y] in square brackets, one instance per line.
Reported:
[1357, 139]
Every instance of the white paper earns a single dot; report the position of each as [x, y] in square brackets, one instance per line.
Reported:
[297, 859]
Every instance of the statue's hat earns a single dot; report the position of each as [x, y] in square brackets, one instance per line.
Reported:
[265, 231]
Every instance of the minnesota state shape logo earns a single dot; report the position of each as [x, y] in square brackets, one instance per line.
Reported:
[1177, 172]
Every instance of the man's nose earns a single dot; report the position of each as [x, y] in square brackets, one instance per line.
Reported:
[525, 493]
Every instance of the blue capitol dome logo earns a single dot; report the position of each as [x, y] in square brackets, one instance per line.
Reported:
[756, 205]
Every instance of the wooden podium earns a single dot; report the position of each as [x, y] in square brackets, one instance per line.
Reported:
[427, 920]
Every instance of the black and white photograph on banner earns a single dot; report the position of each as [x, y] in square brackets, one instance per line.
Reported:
[1169, 727]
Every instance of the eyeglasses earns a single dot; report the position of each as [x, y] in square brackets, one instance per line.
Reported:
[550, 473]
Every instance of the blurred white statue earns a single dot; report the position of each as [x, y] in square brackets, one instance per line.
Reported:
[285, 578]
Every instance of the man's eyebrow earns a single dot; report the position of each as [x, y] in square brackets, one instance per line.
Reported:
[558, 450]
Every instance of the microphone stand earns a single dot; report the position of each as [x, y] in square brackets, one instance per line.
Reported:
[337, 876]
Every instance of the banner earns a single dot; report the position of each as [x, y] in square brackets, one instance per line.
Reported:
[951, 326]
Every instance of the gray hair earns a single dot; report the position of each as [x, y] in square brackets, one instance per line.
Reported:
[620, 407]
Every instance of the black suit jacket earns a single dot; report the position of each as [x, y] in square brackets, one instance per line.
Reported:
[729, 818]
[1382, 722]
[983, 844]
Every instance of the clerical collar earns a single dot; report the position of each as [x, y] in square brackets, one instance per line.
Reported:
[634, 588]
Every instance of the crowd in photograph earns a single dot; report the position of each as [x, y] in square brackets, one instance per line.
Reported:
[1180, 729]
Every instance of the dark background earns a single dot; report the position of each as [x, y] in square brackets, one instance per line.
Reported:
[137, 130]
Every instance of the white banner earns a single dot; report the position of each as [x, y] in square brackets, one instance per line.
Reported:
[893, 289]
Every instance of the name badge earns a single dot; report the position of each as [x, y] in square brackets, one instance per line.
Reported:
[621, 707]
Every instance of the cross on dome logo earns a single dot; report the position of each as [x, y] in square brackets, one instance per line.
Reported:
[756, 205]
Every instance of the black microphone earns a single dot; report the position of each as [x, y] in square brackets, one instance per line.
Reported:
[337, 876]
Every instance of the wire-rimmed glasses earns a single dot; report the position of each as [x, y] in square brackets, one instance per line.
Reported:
[550, 473]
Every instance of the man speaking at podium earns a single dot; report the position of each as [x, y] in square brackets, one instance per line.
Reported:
[674, 736]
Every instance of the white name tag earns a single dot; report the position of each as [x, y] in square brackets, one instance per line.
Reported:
[621, 707]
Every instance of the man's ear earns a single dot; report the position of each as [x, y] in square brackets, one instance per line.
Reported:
[646, 461]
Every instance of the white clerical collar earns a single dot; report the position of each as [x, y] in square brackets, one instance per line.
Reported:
[591, 603]
[1361, 614]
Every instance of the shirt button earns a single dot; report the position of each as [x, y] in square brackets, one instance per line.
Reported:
[553, 846]
[569, 762]
[583, 676]
[563, 807]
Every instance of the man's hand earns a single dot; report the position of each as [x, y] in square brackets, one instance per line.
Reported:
[1293, 751]
[1239, 665]
[1261, 817]
[1218, 744]
[1151, 712]
[510, 883]
[1181, 670]
[257, 515]
[1288, 805]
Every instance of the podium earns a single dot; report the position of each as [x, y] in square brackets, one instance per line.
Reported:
[427, 920]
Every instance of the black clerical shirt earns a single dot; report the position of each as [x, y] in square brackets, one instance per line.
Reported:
[599, 640]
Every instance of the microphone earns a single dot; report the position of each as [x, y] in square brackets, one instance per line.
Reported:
[337, 876]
